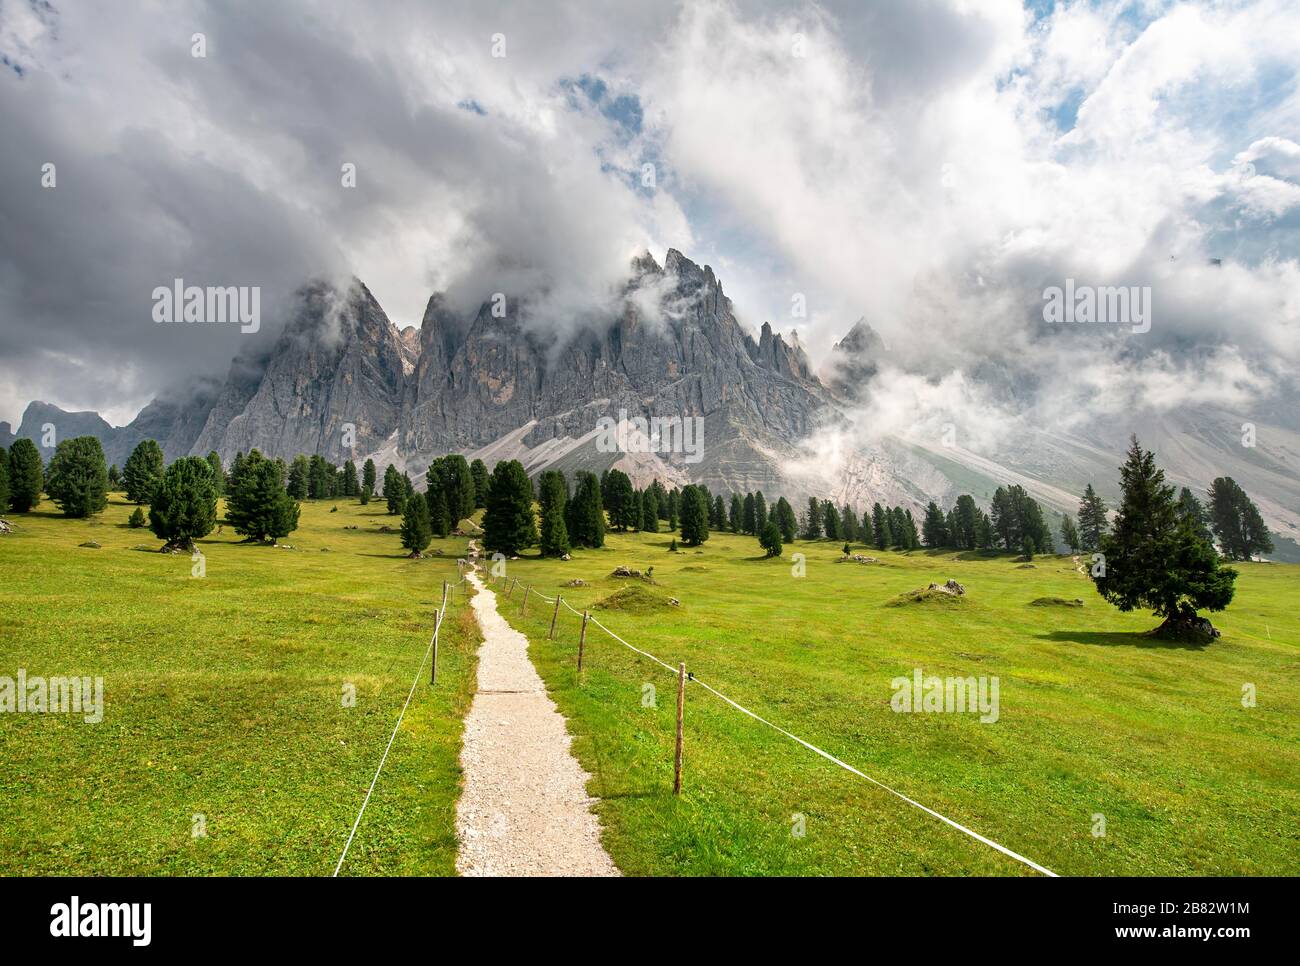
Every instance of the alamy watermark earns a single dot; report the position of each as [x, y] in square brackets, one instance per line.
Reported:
[215, 304]
[656, 434]
[921, 694]
[1107, 305]
[58, 695]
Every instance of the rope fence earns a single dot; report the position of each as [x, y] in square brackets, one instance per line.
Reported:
[679, 671]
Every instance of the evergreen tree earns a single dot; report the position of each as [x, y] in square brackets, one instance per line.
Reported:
[508, 522]
[453, 476]
[736, 514]
[718, 518]
[619, 500]
[1154, 558]
[1193, 510]
[143, 470]
[555, 536]
[368, 479]
[785, 521]
[770, 540]
[750, 516]
[1069, 534]
[812, 523]
[963, 534]
[184, 504]
[78, 477]
[650, 511]
[674, 507]
[299, 471]
[478, 471]
[880, 527]
[136, 520]
[934, 528]
[417, 532]
[984, 535]
[552, 491]
[866, 534]
[1236, 521]
[585, 519]
[258, 506]
[830, 521]
[435, 502]
[1092, 520]
[114, 474]
[848, 524]
[214, 464]
[695, 517]
[394, 489]
[760, 512]
[350, 485]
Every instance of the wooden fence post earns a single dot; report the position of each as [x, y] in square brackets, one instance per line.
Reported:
[551, 633]
[582, 641]
[681, 706]
[524, 609]
[444, 596]
[437, 617]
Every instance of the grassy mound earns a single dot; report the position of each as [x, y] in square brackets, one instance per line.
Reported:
[1055, 602]
[940, 597]
[634, 598]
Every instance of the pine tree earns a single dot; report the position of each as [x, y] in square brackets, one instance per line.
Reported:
[435, 502]
[554, 536]
[695, 517]
[880, 527]
[866, 534]
[184, 504]
[750, 516]
[394, 489]
[1193, 510]
[368, 480]
[350, 485]
[114, 474]
[760, 512]
[963, 533]
[812, 523]
[143, 470]
[934, 528]
[453, 476]
[770, 540]
[674, 507]
[508, 522]
[478, 471]
[1092, 520]
[618, 497]
[650, 511]
[1069, 534]
[913, 539]
[1236, 521]
[719, 513]
[78, 477]
[848, 524]
[299, 470]
[258, 506]
[830, 521]
[1155, 559]
[736, 514]
[785, 520]
[136, 519]
[214, 464]
[585, 519]
[417, 532]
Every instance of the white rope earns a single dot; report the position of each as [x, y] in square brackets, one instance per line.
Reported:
[357, 824]
[829, 757]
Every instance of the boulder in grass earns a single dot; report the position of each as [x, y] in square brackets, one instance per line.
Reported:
[949, 587]
[89, 543]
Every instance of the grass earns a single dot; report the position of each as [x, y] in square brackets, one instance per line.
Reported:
[223, 697]
[1095, 718]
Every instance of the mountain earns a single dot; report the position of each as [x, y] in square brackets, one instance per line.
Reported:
[343, 381]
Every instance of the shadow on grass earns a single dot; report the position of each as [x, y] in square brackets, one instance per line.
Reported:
[1121, 639]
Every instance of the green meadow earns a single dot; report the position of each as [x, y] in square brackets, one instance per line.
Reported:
[224, 699]
[1097, 722]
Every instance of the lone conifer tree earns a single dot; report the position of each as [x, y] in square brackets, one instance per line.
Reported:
[770, 540]
[695, 516]
[1092, 520]
[368, 479]
[1155, 559]
[143, 470]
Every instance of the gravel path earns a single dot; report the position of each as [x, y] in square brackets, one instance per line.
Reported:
[525, 809]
